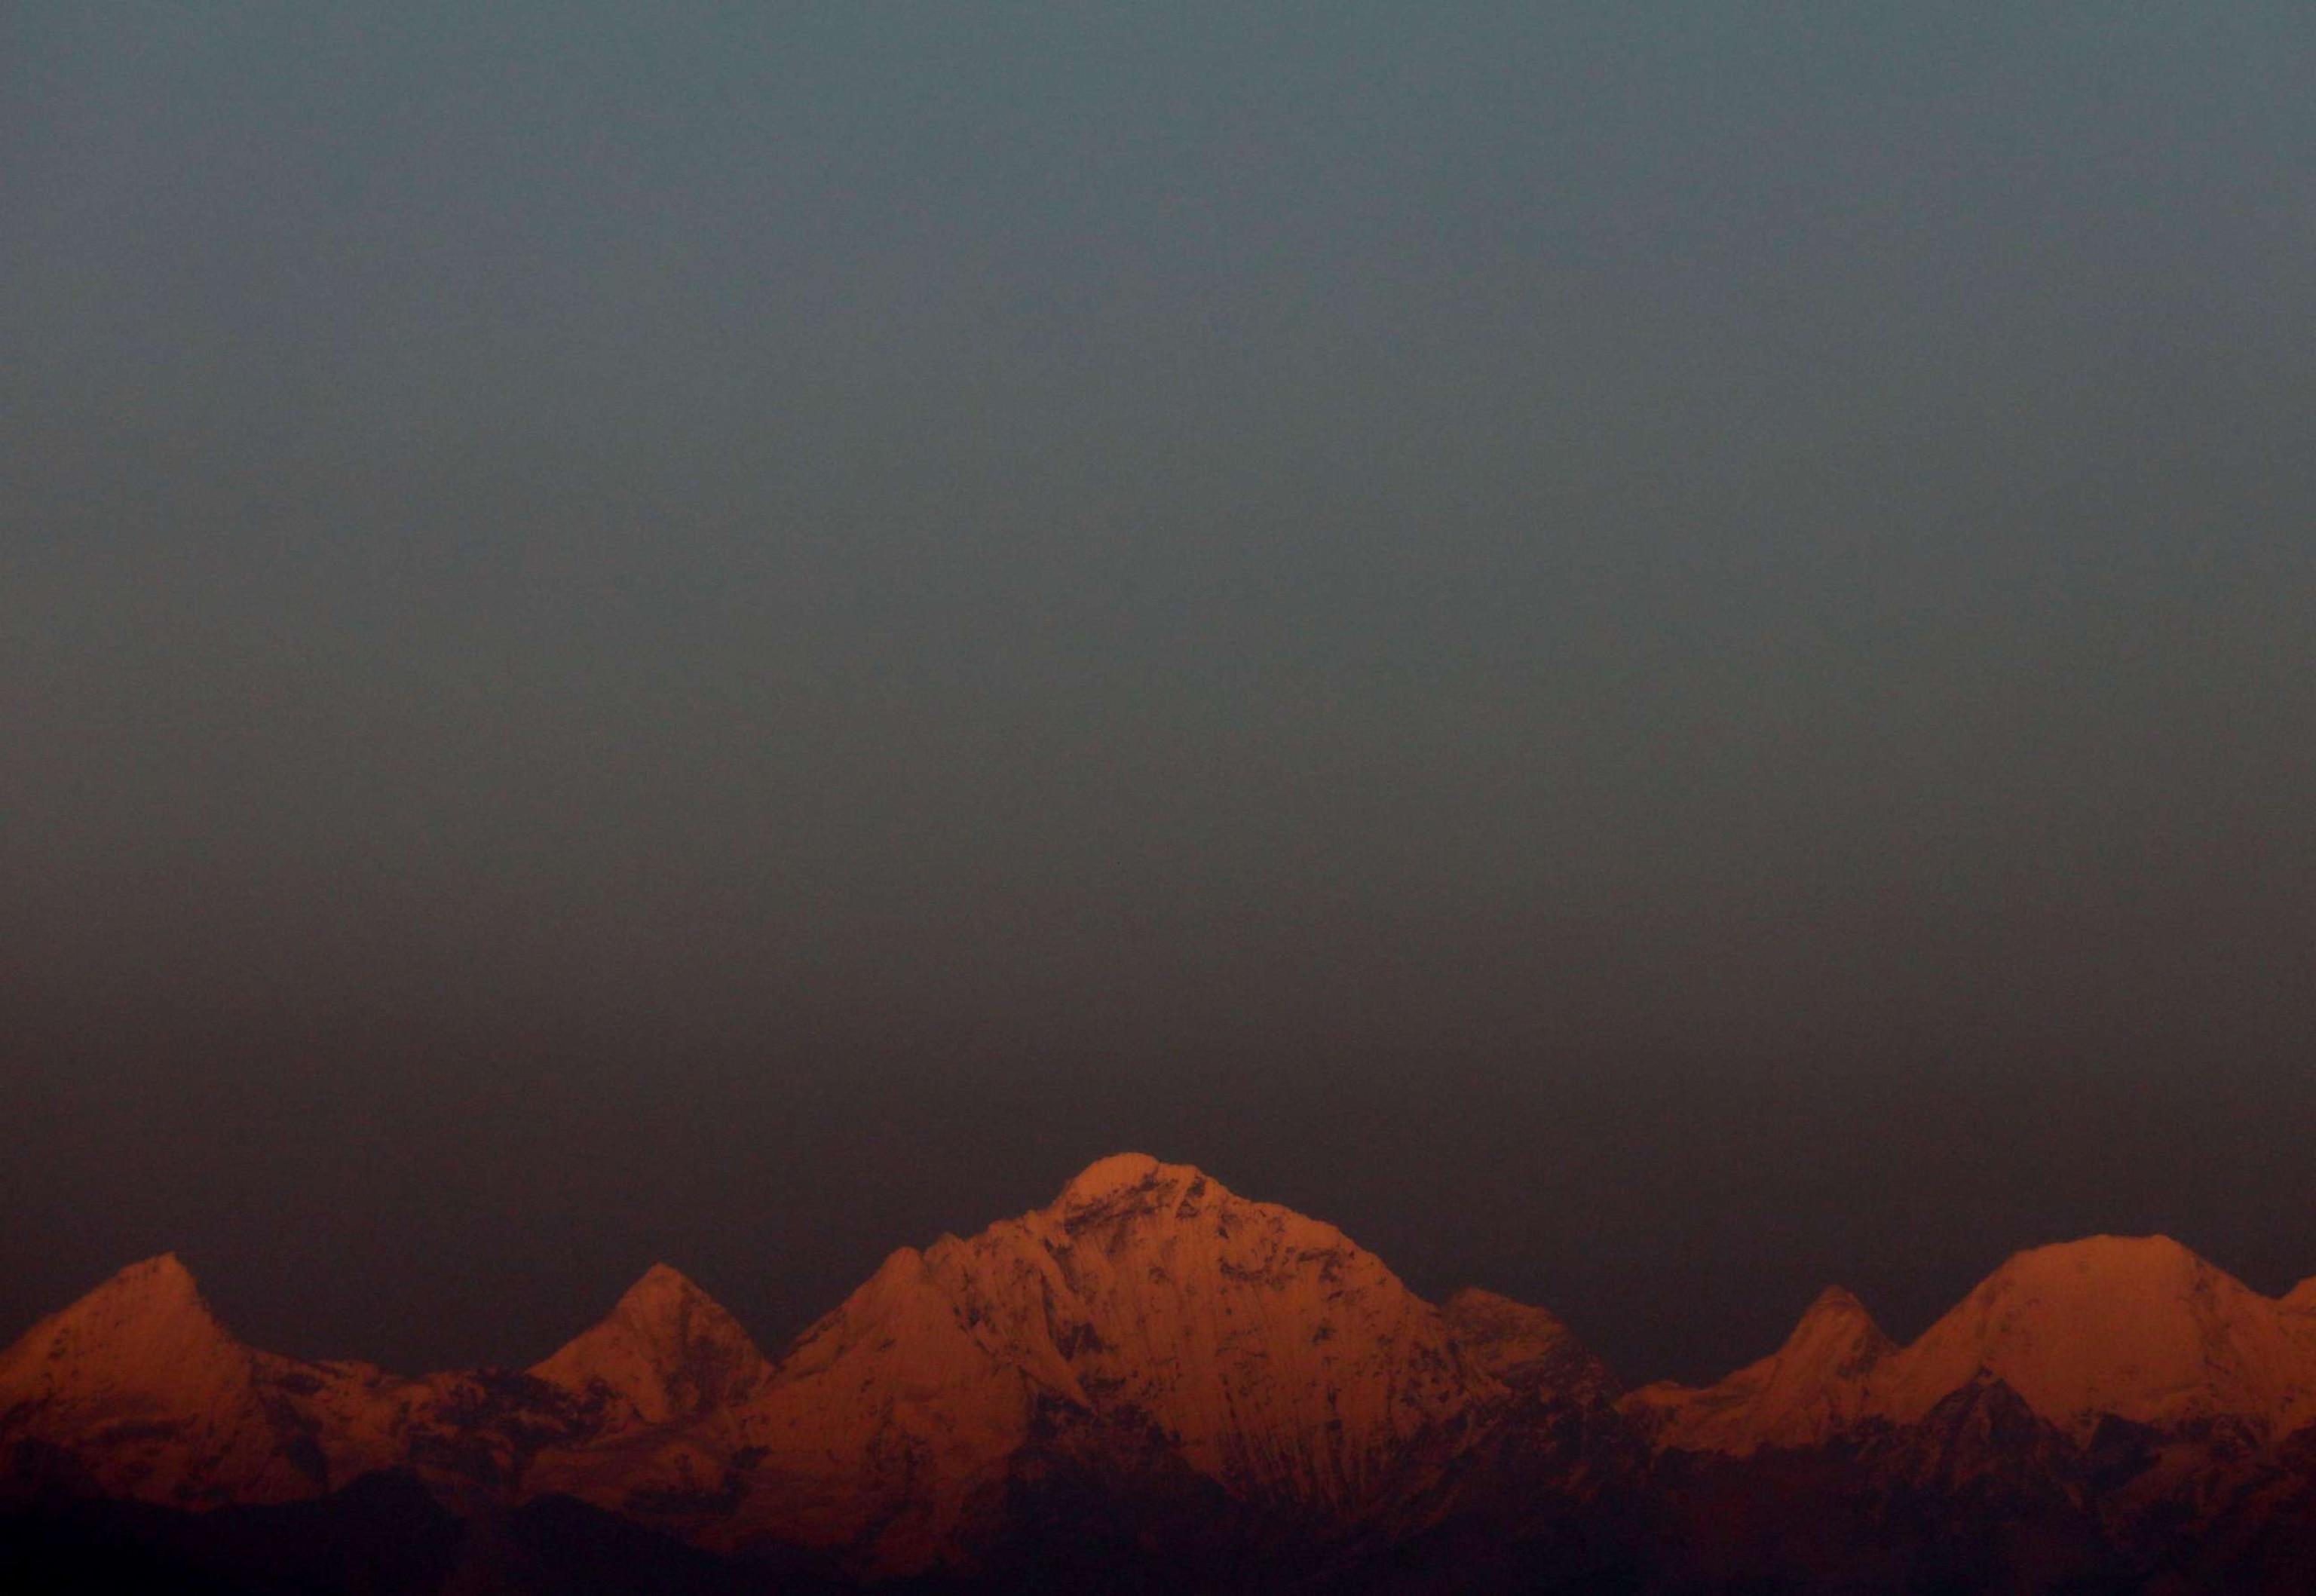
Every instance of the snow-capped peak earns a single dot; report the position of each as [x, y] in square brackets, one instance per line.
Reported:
[659, 1292]
[146, 1323]
[139, 1379]
[667, 1349]
[160, 1280]
[1817, 1384]
[2136, 1326]
[1107, 1180]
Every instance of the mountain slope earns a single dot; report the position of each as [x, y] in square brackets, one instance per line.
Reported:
[1147, 1306]
[137, 1391]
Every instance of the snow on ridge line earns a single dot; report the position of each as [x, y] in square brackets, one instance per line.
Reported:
[2210, 1344]
[2139, 1327]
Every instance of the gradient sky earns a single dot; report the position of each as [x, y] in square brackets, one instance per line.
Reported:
[1651, 654]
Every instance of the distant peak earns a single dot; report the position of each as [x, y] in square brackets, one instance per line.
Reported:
[159, 1284]
[145, 1330]
[660, 1285]
[1836, 1333]
[2301, 1299]
[166, 1268]
[1836, 1302]
[667, 1348]
[1526, 1347]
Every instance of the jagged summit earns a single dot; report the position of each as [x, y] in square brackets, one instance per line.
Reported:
[1819, 1383]
[667, 1350]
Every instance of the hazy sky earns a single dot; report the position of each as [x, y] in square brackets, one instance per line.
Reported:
[1651, 655]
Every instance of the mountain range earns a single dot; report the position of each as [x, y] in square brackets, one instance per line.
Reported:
[1154, 1382]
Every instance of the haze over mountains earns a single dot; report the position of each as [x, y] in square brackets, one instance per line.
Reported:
[1152, 1372]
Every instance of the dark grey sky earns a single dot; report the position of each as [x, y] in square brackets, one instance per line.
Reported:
[1651, 654]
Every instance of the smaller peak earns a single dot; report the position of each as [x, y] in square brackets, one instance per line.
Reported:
[2301, 1299]
[1836, 1302]
[1526, 1347]
[904, 1270]
[1479, 1299]
[1106, 1178]
[147, 1322]
[659, 1284]
[1835, 1333]
[667, 1349]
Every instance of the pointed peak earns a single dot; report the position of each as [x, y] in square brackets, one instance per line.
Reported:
[164, 1271]
[1837, 1325]
[153, 1286]
[667, 1348]
[144, 1329]
[903, 1267]
[665, 1308]
[659, 1288]
[1836, 1302]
